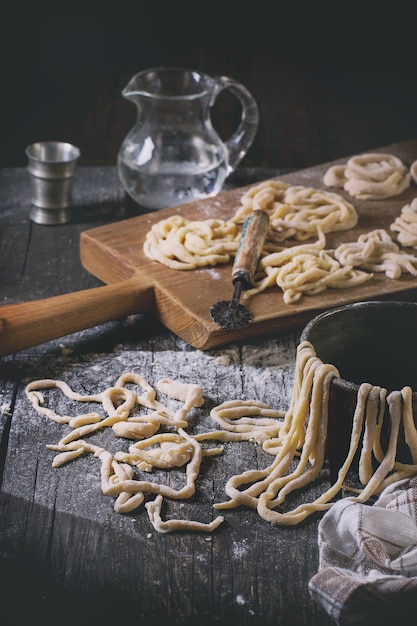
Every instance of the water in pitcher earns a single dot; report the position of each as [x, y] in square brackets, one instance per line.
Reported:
[173, 183]
[173, 154]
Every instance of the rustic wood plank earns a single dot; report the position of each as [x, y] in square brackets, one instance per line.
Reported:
[60, 539]
[232, 576]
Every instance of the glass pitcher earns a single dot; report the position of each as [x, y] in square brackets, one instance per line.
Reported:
[173, 154]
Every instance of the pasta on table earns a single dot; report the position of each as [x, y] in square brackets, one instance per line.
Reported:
[301, 216]
[294, 439]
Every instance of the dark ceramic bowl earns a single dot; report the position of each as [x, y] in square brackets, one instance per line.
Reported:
[368, 342]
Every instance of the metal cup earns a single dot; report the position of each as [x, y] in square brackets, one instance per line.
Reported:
[51, 165]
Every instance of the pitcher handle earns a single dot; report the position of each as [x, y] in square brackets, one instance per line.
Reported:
[241, 140]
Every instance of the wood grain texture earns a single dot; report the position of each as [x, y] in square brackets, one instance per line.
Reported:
[64, 552]
[72, 558]
[247, 572]
[183, 299]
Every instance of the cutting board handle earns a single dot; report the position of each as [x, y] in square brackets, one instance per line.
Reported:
[28, 324]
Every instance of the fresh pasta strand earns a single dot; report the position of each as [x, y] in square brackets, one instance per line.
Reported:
[185, 245]
[294, 438]
[305, 269]
[296, 211]
[406, 224]
[370, 176]
[117, 479]
[301, 214]
[305, 430]
[377, 252]
[168, 526]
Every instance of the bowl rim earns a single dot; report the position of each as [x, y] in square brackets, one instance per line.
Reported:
[339, 381]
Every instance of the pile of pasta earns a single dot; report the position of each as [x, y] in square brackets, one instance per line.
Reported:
[300, 213]
[406, 225]
[309, 269]
[299, 449]
[295, 439]
[370, 176]
[183, 244]
[297, 212]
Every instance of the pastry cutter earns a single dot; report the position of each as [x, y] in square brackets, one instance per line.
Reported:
[230, 314]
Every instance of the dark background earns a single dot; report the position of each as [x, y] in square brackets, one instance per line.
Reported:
[331, 78]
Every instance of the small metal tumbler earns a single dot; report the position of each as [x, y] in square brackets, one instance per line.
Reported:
[51, 165]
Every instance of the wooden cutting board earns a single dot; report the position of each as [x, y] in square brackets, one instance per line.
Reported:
[182, 299]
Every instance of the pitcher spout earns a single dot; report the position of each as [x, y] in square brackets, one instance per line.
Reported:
[132, 91]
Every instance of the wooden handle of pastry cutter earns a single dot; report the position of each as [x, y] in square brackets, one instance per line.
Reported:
[250, 247]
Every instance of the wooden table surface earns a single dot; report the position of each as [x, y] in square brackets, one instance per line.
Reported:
[68, 554]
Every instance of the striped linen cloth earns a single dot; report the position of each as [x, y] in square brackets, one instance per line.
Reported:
[368, 558]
